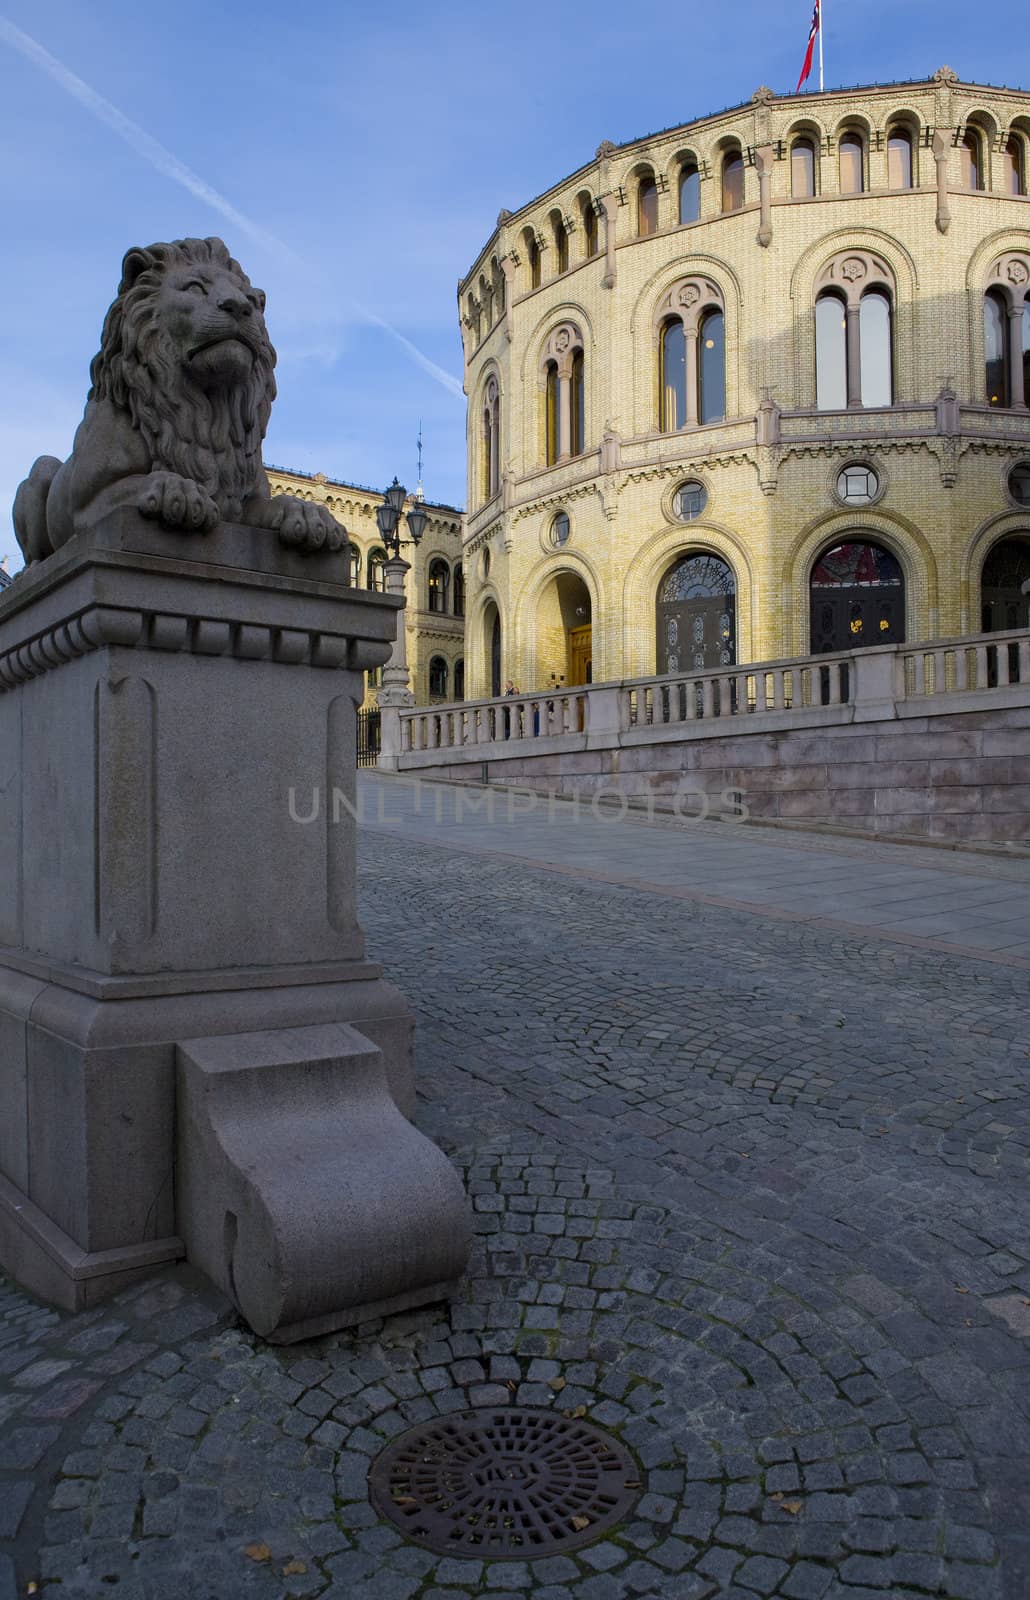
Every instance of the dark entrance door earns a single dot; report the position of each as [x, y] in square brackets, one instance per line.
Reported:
[696, 615]
[1003, 602]
[857, 598]
[495, 656]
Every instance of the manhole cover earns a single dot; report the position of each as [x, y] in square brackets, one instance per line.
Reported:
[505, 1482]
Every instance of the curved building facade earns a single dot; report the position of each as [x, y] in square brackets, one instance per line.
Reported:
[754, 387]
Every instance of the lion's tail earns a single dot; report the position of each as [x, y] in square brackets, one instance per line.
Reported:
[30, 519]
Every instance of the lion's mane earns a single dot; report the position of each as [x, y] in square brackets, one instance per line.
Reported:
[214, 438]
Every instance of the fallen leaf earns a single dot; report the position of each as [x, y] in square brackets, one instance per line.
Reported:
[959, 1289]
[257, 1552]
[633, 1483]
[511, 1384]
[793, 1506]
[557, 1384]
[294, 1567]
[578, 1411]
[579, 1523]
[404, 1500]
[777, 1494]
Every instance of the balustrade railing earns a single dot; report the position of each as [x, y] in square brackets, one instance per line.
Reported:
[861, 685]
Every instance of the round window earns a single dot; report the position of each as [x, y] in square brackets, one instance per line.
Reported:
[689, 500]
[857, 485]
[560, 529]
[1019, 483]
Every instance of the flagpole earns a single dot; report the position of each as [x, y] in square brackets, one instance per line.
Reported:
[820, 46]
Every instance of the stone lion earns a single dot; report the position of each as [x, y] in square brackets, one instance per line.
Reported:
[182, 388]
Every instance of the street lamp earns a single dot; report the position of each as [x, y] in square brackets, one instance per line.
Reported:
[395, 691]
[388, 516]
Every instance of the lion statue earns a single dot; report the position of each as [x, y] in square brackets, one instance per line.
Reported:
[182, 388]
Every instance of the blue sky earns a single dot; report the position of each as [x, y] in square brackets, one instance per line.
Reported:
[366, 150]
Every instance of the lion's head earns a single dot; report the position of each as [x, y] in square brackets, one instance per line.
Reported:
[186, 352]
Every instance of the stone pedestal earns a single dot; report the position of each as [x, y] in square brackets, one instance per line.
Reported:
[178, 908]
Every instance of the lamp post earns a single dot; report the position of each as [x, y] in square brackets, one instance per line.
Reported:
[395, 691]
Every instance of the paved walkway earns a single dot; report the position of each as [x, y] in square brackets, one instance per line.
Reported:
[749, 1158]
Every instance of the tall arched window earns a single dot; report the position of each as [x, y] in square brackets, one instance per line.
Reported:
[377, 571]
[533, 259]
[439, 582]
[589, 228]
[972, 160]
[802, 169]
[691, 355]
[831, 381]
[899, 159]
[857, 597]
[711, 361]
[561, 242]
[459, 591]
[647, 206]
[1013, 181]
[732, 180]
[577, 405]
[437, 678]
[851, 163]
[564, 394]
[996, 348]
[491, 439]
[875, 349]
[854, 363]
[690, 192]
[355, 565]
[553, 408]
[673, 377]
[459, 679]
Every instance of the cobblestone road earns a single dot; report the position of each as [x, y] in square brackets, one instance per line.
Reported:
[750, 1191]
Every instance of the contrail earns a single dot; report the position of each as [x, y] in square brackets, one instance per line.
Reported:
[171, 167]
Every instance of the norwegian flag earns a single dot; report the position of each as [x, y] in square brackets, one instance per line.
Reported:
[812, 32]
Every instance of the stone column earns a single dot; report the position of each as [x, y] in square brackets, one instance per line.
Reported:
[396, 689]
[1017, 397]
[940, 155]
[853, 354]
[565, 410]
[195, 1056]
[690, 364]
[764, 162]
[611, 206]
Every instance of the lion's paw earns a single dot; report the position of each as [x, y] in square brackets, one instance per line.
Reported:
[302, 524]
[178, 503]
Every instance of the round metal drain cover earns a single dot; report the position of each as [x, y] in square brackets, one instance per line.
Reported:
[504, 1482]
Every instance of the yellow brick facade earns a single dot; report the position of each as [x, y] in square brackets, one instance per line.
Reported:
[942, 455]
[430, 633]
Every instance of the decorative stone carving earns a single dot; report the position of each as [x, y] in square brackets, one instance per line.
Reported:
[763, 96]
[605, 148]
[689, 297]
[1017, 272]
[855, 271]
[175, 419]
[945, 75]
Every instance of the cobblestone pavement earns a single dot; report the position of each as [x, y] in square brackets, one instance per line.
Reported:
[750, 1193]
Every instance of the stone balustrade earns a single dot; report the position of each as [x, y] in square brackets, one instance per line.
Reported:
[885, 683]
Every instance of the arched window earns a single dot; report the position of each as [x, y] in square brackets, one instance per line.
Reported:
[564, 394]
[854, 341]
[647, 206]
[899, 158]
[459, 679]
[561, 242]
[577, 405]
[1013, 181]
[377, 571]
[491, 439]
[876, 374]
[1005, 586]
[690, 192]
[437, 678]
[732, 180]
[459, 591]
[673, 379]
[695, 621]
[475, 318]
[996, 348]
[533, 260]
[802, 169]
[857, 597]
[691, 355]
[439, 582]
[355, 565]
[711, 361]
[553, 418]
[831, 380]
[972, 160]
[851, 163]
[589, 228]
